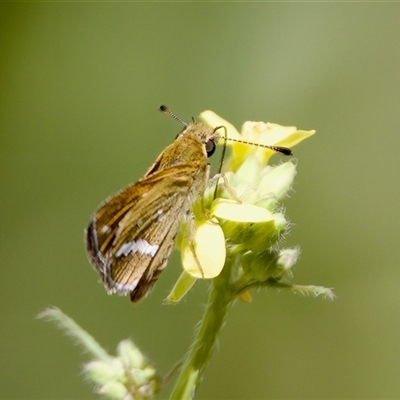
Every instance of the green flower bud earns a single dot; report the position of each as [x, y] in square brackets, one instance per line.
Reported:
[114, 391]
[249, 172]
[130, 355]
[287, 258]
[276, 181]
[258, 267]
[142, 377]
[101, 372]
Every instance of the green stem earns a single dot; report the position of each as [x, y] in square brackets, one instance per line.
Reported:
[216, 310]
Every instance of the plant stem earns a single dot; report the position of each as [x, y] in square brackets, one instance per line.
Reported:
[214, 316]
[71, 328]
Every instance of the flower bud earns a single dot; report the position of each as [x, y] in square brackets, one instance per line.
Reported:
[276, 181]
[130, 355]
[287, 258]
[114, 391]
[101, 372]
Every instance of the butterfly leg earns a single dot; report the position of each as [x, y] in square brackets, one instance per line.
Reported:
[225, 185]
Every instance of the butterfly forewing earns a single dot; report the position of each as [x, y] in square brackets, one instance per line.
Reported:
[131, 235]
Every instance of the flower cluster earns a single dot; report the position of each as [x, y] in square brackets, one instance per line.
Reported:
[127, 376]
[245, 218]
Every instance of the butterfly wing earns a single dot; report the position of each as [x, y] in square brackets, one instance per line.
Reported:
[131, 236]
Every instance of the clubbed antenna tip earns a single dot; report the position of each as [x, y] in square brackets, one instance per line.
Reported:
[167, 111]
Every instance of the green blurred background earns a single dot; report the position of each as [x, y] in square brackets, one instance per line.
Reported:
[80, 86]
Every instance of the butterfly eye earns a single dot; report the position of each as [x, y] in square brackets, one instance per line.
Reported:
[210, 148]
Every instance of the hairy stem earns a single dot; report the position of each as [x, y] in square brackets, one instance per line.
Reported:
[214, 316]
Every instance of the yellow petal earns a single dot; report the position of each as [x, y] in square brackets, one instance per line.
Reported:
[239, 212]
[294, 138]
[209, 247]
[273, 134]
[265, 132]
[214, 120]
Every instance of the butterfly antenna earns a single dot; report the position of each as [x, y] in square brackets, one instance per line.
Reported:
[279, 149]
[167, 111]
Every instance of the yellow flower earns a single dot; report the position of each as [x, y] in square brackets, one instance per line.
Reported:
[264, 133]
[248, 224]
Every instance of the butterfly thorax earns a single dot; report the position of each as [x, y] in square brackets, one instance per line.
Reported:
[188, 148]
